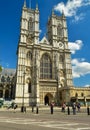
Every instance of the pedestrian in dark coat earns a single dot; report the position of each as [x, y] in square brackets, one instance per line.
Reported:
[74, 108]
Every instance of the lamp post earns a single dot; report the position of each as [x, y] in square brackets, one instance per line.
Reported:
[23, 108]
[9, 83]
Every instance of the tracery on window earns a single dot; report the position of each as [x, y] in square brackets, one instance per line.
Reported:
[30, 24]
[1, 93]
[8, 79]
[29, 55]
[3, 79]
[45, 67]
[76, 95]
[29, 87]
[82, 94]
[59, 31]
[61, 59]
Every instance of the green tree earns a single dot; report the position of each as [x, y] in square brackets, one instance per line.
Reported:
[0, 68]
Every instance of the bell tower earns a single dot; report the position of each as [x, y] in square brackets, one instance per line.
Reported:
[57, 31]
[29, 37]
[58, 38]
[29, 33]
[52, 29]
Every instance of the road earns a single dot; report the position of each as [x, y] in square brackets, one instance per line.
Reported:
[10, 120]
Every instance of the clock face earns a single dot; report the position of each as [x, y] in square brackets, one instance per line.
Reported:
[60, 44]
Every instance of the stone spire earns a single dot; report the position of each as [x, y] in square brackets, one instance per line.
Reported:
[24, 4]
[63, 15]
[36, 6]
[52, 11]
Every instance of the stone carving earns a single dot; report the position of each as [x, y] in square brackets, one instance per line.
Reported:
[30, 38]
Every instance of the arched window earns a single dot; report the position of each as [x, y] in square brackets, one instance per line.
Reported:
[29, 55]
[30, 24]
[82, 94]
[2, 79]
[76, 95]
[8, 79]
[59, 31]
[61, 59]
[1, 93]
[29, 87]
[6, 94]
[45, 67]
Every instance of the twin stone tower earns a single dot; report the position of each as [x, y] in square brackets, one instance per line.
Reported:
[44, 71]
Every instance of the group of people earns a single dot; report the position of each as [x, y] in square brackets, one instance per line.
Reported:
[75, 106]
[12, 105]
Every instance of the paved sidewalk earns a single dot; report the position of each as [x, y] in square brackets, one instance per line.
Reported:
[16, 120]
[47, 109]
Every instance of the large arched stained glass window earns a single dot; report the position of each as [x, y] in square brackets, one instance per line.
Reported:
[59, 31]
[45, 67]
[30, 24]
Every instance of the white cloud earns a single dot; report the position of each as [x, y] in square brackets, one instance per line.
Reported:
[79, 17]
[7, 65]
[87, 85]
[71, 7]
[74, 46]
[80, 68]
[40, 31]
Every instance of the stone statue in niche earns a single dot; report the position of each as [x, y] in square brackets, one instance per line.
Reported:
[29, 71]
[62, 82]
[29, 38]
[61, 73]
[62, 79]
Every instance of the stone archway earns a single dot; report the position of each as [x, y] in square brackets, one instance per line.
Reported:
[7, 94]
[1, 93]
[48, 98]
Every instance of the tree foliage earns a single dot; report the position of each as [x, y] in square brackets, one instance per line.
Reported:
[0, 68]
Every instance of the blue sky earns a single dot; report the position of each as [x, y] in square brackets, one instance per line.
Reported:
[77, 13]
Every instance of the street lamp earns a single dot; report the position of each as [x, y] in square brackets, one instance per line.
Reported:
[9, 83]
[23, 108]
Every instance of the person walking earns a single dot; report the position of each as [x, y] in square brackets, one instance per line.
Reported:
[74, 108]
[63, 107]
[51, 106]
[78, 107]
[15, 106]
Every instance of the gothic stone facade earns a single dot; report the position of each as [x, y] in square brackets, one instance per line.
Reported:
[44, 71]
[7, 84]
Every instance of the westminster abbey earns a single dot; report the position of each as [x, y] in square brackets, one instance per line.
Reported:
[44, 70]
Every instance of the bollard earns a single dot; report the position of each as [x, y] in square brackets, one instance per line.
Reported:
[68, 110]
[88, 112]
[51, 109]
[23, 109]
[36, 110]
[32, 108]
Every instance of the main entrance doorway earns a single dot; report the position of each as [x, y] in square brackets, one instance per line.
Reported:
[48, 98]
